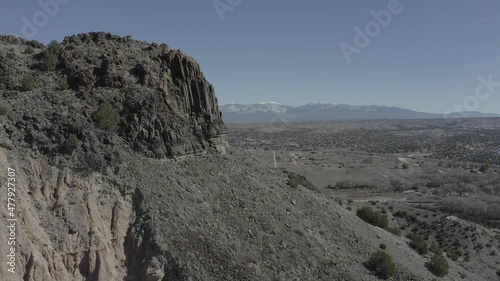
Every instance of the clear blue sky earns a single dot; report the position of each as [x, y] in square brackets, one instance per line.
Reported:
[427, 58]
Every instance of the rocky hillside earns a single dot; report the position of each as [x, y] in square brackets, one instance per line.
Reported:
[116, 148]
[166, 106]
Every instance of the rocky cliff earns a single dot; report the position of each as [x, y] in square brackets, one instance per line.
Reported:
[166, 106]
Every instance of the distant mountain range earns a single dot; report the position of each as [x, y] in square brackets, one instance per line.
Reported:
[273, 111]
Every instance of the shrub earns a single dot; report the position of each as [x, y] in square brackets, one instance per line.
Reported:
[29, 50]
[438, 266]
[295, 180]
[73, 142]
[107, 117]
[485, 167]
[49, 60]
[418, 244]
[397, 185]
[405, 166]
[3, 110]
[383, 246]
[63, 85]
[372, 217]
[28, 83]
[49, 57]
[452, 255]
[434, 248]
[394, 230]
[351, 185]
[381, 265]
[54, 47]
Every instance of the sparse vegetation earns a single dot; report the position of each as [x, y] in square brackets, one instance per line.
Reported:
[381, 265]
[63, 85]
[3, 110]
[438, 266]
[373, 217]
[295, 180]
[73, 142]
[394, 230]
[28, 83]
[29, 50]
[452, 255]
[418, 244]
[434, 248]
[485, 167]
[49, 56]
[107, 117]
[344, 185]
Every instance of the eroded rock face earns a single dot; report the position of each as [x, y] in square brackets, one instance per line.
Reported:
[166, 106]
[178, 113]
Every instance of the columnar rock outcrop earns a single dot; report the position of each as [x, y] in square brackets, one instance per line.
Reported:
[166, 106]
[170, 79]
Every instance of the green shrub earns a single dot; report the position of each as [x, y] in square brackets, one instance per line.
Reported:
[73, 142]
[3, 110]
[107, 117]
[28, 83]
[383, 246]
[381, 265]
[405, 166]
[295, 180]
[29, 50]
[63, 85]
[434, 248]
[418, 244]
[452, 255]
[438, 266]
[485, 167]
[373, 217]
[49, 57]
[54, 47]
[49, 60]
[394, 230]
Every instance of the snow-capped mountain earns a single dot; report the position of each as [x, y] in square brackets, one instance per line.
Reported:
[255, 108]
[266, 111]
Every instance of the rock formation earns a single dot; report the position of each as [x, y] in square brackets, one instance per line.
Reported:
[166, 106]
